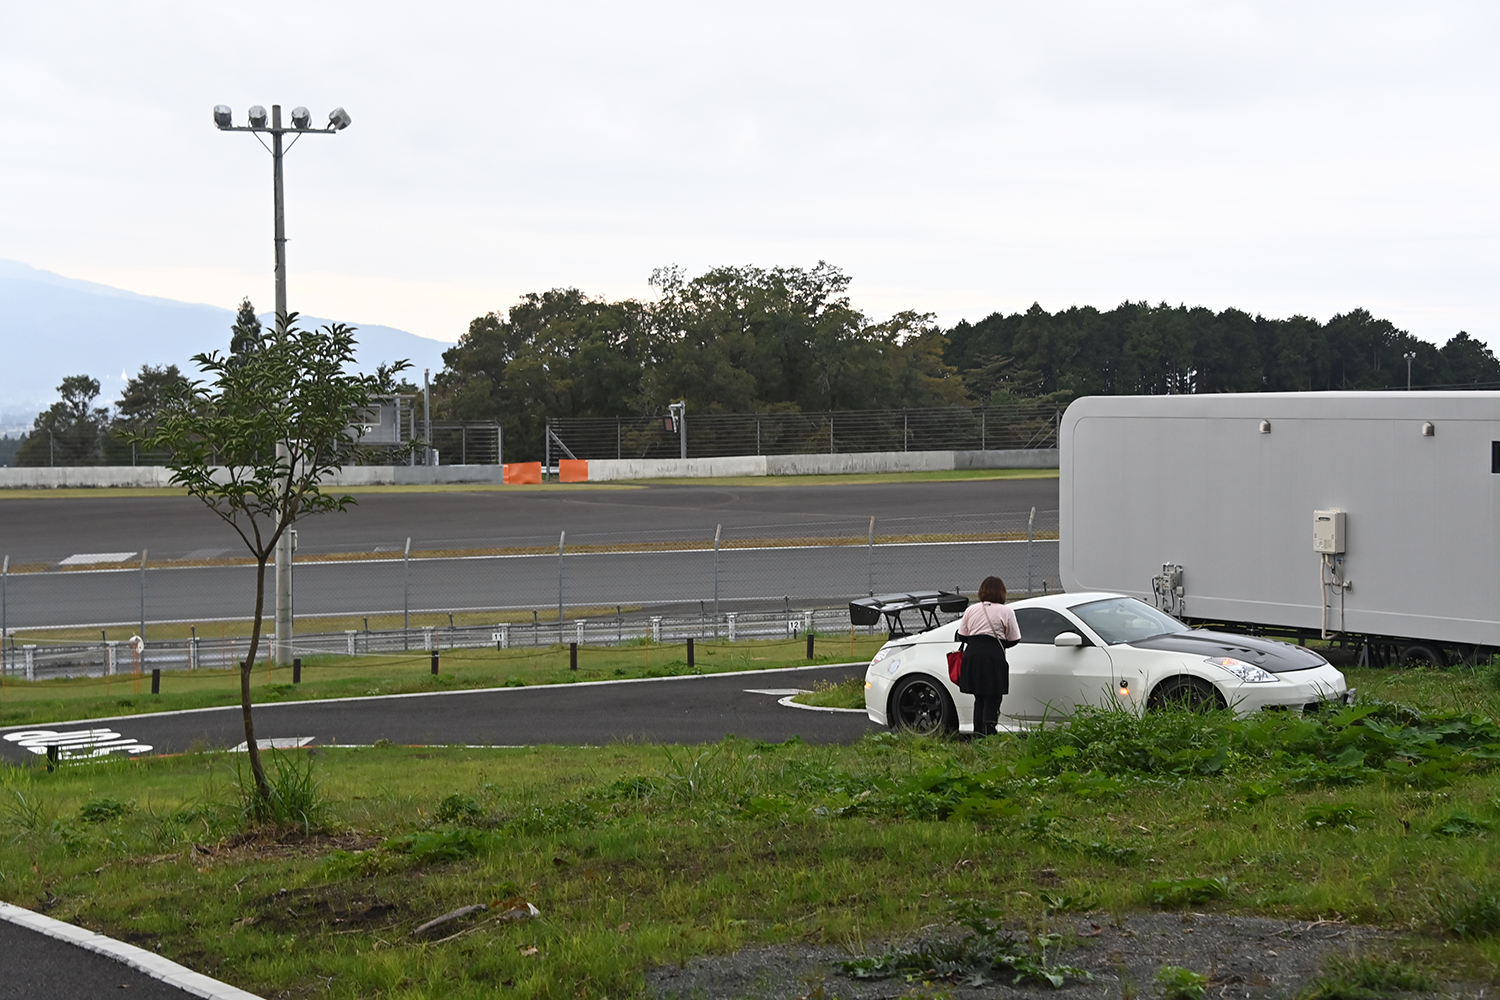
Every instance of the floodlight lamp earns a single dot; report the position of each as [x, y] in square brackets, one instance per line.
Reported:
[223, 118]
[339, 119]
[301, 118]
[258, 117]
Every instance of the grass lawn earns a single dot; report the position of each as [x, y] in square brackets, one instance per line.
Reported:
[341, 676]
[640, 855]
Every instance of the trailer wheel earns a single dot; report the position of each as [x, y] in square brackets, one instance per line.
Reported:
[1191, 693]
[920, 705]
[1421, 655]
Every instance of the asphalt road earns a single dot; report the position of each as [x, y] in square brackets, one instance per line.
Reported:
[38, 967]
[698, 709]
[47, 529]
[746, 578]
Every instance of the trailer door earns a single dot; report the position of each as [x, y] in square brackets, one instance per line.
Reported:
[1046, 680]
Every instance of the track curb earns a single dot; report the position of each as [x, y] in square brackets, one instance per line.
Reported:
[151, 964]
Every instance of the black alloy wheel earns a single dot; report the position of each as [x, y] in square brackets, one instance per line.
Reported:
[920, 705]
[1192, 693]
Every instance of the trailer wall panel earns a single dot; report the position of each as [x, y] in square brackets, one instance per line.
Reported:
[1193, 480]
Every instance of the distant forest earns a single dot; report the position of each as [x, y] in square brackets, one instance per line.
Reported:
[740, 340]
[748, 339]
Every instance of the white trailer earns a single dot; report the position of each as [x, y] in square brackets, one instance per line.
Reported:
[1372, 517]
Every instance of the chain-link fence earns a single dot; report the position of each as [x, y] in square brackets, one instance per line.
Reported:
[710, 435]
[710, 581]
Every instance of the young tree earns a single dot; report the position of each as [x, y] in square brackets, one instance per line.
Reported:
[256, 440]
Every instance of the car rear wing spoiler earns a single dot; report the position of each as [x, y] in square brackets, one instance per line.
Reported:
[926, 603]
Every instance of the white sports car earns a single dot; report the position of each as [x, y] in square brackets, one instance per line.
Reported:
[1097, 649]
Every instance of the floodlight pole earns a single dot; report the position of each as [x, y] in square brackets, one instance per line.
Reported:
[282, 650]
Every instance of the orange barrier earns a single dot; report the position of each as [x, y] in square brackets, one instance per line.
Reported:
[522, 472]
[572, 470]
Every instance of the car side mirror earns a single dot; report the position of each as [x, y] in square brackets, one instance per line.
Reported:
[1068, 639]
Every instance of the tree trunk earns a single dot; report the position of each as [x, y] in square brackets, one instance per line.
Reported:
[262, 787]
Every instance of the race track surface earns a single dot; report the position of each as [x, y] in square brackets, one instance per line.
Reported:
[48, 530]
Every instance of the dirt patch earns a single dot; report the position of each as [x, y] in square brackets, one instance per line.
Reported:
[291, 844]
[1243, 957]
[329, 908]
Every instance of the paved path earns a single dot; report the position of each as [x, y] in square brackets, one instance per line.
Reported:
[697, 709]
[47, 959]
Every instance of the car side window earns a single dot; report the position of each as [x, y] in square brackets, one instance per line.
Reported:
[1042, 625]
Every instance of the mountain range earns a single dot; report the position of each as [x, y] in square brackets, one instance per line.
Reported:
[52, 327]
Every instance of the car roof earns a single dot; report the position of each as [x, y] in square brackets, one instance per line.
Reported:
[1056, 601]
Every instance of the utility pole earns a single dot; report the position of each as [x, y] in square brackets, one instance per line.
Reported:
[338, 120]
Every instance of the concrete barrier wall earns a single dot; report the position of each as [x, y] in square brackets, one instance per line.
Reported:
[606, 469]
[1015, 458]
[600, 470]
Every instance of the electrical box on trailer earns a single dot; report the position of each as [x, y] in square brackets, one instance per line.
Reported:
[1328, 532]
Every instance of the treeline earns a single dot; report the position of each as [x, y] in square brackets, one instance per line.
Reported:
[76, 431]
[1139, 349]
[745, 339]
[749, 339]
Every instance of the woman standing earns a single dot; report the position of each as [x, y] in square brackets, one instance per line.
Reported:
[987, 628]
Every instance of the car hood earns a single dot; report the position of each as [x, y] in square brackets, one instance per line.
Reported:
[1268, 654]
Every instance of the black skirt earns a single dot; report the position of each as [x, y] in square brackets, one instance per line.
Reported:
[986, 671]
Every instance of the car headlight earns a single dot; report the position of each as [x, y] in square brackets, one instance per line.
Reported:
[1247, 672]
[885, 651]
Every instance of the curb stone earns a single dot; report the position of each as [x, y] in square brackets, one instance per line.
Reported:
[139, 959]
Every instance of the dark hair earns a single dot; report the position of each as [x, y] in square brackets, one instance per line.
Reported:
[992, 590]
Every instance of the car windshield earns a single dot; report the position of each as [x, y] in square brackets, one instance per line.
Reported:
[1125, 619]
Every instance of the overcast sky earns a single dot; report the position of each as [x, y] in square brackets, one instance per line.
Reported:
[958, 158]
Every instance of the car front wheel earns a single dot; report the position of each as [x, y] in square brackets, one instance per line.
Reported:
[1191, 693]
[920, 705]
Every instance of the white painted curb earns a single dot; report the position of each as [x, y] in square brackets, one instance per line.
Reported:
[151, 964]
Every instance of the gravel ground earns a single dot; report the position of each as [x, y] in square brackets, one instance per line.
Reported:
[1243, 957]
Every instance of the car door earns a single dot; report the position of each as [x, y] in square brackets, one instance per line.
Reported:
[1046, 680]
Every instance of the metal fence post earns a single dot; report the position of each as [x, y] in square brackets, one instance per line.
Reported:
[193, 653]
[406, 596]
[561, 538]
[427, 638]
[718, 530]
[111, 657]
[1029, 522]
[5, 617]
[656, 628]
[30, 653]
[871, 551]
[142, 632]
[981, 430]
[730, 616]
[349, 635]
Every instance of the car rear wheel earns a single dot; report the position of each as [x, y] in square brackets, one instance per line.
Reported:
[920, 705]
[1191, 693]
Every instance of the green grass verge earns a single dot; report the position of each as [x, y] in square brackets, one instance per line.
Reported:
[640, 855]
[23, 703]
[826, 694]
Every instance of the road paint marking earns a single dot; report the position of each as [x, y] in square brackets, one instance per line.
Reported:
[276, 743]
[775, 692]
[85, 558]
[79, 744]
